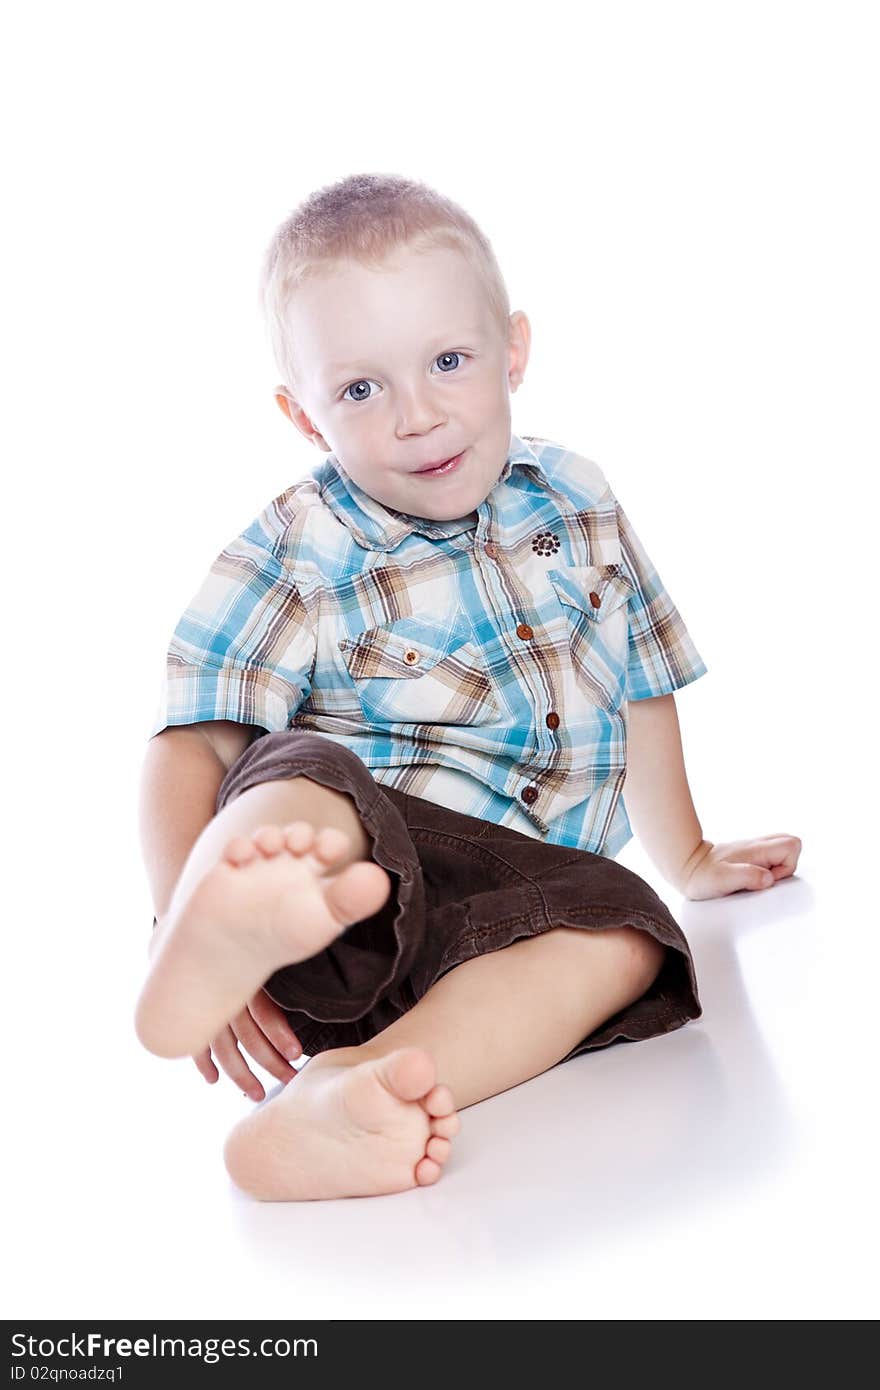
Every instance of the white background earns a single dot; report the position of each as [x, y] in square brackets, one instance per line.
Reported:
[683, 199]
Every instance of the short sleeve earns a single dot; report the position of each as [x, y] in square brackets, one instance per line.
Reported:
[662, 656]
[244, 648]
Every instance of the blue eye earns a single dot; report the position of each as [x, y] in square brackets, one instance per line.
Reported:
[364, 381]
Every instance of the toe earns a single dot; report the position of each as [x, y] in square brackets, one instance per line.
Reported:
[408, 1073]
[298, 836]
[439, 1101]
[269, 839]
[438, 1149]
[357, 892]
[427, 1171]
[331, 844]
[446, 1126]
[240, 851]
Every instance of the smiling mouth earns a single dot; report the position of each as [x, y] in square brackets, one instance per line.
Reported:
[445, 466]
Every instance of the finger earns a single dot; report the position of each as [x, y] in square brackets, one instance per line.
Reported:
[787, 864]
[254, 1041]
[747, 876]
[234, 1065]
[729, 876]
[273, 1022]
[785, 868]
[205, 1064]
[772, 851]
[778, 860]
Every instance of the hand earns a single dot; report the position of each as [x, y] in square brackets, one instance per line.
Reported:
[263, 1030]
[716, 870]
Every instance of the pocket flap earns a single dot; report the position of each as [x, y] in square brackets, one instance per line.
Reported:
[596, 590]
[407, 647]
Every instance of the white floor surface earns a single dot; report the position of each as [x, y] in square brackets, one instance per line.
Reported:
[725, 1170]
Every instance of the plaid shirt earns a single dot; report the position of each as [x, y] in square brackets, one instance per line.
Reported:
[482, 663]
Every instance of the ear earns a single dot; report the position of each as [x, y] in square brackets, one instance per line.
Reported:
[291, 407]
[285, 400]
[518, 346]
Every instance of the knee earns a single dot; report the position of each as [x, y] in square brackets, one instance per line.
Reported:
[642, 957]
[631, 958]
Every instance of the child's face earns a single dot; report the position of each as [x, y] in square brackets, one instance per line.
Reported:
[405, 366]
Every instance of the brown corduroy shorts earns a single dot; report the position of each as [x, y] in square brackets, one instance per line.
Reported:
[461, 887]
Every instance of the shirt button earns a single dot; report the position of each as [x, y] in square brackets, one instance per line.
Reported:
[491, 550]
[529, 795]
[552, 720]
[524, 631]
[595, 600]
[411, 657]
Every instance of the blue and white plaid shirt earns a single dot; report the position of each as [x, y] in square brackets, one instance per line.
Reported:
[483, 663]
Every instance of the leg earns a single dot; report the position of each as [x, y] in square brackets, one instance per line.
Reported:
[272, 879]
[520, 1010]
[369, 1119]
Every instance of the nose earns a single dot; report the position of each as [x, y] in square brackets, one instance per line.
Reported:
[418, 412]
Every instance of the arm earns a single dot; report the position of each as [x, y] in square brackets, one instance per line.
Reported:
[656, 792]
[182, 772]
[658, 800]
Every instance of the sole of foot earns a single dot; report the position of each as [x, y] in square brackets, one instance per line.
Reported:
[276, 897]
[345, 1128]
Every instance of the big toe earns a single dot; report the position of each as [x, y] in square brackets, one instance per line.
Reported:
[408, 1073]
[357, 892]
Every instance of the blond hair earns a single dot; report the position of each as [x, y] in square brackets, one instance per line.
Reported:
[365, 218]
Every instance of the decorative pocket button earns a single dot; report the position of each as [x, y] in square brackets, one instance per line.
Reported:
[594, 599]
[421, 670]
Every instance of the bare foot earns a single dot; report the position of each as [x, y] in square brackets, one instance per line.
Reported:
[273, 899]
[345, 1128]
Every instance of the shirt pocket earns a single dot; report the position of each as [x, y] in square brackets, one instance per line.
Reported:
[421, 670]
[594, 603]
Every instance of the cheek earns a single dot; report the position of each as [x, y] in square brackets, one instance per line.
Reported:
[360, 439]
[493, 395]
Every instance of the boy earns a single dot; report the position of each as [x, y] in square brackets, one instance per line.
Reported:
[382, 797]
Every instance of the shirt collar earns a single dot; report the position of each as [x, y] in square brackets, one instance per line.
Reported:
[376, 527]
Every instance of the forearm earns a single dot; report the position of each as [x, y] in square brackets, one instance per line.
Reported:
[179, 784]
[656, 792]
